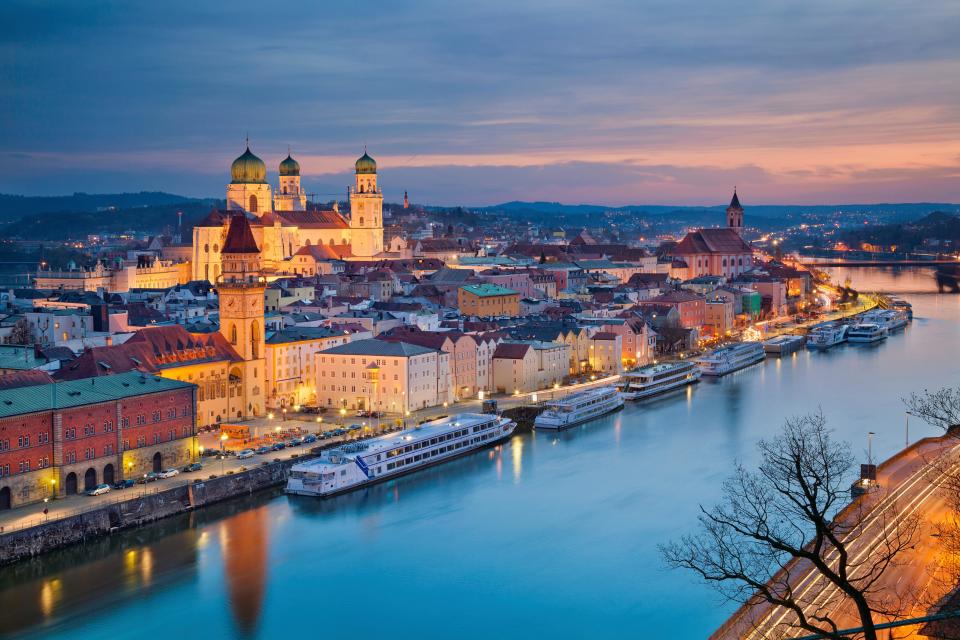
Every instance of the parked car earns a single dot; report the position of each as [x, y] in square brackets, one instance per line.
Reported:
[295, 442]
[168, 473]
[309, 438]
[338, 432]
[196, 466]
[278, 445]
[263, 450]
[99, 490]
[153, 476]
[354, 427]
[246, 453]
[124, 484]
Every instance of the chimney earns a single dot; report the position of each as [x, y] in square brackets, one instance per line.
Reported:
[108, 341]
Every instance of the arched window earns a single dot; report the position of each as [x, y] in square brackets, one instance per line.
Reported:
[307, 242]
[254, 340]
[361, 221]
[233, 335]
[724, 262]
[206, 248]
[216, 248]
[206, 272]
[253, 203]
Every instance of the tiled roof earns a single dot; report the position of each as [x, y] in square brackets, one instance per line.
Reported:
[302, 334]
[75, 393]
[511, 350]
[604, 335]
[711, 241]
[374, 347]
[19, 379]
[240, 237]
[487, 290]
[313, 219]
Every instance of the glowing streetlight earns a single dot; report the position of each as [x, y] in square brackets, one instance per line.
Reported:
[223, 440]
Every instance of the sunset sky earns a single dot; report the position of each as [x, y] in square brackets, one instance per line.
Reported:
[478, 103]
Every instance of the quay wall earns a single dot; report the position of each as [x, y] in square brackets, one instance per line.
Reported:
[140, 510]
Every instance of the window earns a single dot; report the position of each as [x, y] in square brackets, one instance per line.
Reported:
[124, 423]
[108, 426]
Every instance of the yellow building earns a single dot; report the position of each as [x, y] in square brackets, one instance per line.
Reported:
[291, 377]
[488, 300]
[282, 223]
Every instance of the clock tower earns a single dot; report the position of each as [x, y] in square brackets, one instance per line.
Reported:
[366, 210]
[240, 289]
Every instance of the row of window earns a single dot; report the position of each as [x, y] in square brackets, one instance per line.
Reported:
[439, 451]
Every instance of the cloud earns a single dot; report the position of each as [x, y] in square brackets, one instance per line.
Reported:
[812, 96]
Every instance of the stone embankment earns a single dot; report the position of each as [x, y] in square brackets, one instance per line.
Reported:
[39, 539]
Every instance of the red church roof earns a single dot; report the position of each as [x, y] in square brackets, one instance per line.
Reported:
[712, 241]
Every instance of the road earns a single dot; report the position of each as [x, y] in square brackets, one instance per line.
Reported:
[907, 481]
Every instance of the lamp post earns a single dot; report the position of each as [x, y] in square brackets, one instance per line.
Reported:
[53, 488]
[223, 440]
[870, 435]
[343, 413]
[906, 432]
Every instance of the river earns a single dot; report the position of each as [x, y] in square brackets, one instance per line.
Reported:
[544, 536]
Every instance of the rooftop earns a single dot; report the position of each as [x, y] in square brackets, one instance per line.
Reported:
[487, 290]
[374, 347]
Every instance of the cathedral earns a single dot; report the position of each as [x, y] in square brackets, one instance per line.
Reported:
[283, 222]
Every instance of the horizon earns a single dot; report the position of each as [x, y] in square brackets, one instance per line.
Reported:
[612, 104]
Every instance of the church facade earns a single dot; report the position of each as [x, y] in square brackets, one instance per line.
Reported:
[714, 252]
[283, 222]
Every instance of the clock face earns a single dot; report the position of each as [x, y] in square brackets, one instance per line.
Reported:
[230, 303]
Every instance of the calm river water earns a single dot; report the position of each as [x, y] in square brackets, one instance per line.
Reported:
[546, 536]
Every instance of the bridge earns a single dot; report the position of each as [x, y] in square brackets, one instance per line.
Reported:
[880, 263]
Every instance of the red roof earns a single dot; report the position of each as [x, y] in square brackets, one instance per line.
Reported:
[240, 237]
[150, 350]
[511, 350]
[27, 378]
[604, 335]
[711, 241]
[313, 219]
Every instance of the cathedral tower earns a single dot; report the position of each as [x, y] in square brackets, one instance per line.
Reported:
[248, 189]
[735, 214]
[240, 289]
[366, 210]
[290, 197]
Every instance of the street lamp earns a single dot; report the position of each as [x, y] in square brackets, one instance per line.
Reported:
[906, 434]
[223, 440]
[870, 435]
[343, 413]
[53, 488]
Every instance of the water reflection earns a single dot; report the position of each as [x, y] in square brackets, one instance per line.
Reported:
[245, 540]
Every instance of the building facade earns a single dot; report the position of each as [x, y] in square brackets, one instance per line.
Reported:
[62, 438]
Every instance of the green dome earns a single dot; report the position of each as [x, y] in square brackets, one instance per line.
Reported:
[366, 164]
[289, 167]
[248, 169]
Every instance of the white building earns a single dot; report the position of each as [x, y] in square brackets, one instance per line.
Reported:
[392, 377]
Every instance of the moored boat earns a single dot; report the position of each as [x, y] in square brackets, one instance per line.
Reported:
[579, 408]
[361, 463]
[864, 332]
[658, 378]
[783, 345]
[724, 360]
[826, 335]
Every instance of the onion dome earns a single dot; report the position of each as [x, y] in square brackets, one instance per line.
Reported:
[366, 164]
[289, 167]
[248, 169]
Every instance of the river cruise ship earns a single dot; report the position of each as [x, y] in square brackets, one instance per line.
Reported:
[826, 335]
[867, 332]
[658, 378]
[783, 345]
[358, 464]
[579, 408]
[724, 360]
[891, 319]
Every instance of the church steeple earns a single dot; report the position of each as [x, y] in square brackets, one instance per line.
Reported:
[735, 213]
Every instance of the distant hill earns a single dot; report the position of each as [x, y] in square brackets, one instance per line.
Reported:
[13, 207]
[894, 212]
[74, 217]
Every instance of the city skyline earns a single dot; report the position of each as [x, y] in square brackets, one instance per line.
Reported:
[660, 104]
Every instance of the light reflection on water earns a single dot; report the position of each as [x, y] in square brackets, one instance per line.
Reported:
[547, 534]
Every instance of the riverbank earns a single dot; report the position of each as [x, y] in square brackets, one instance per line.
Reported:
[110, 518]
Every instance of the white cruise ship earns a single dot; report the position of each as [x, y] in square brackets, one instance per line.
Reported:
[724, 360]
[579, 408]
[658, 378]
[891, 319]
[867, 332]
[826, 335]
[361, 463]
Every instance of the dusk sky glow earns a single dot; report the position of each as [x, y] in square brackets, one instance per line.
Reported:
[479, 103]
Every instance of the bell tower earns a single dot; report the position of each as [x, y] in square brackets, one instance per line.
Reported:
[366, 210]
[735, 214]
[240, 289]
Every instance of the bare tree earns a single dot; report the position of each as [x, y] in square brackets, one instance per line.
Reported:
[22, 332]
[785, 542]
[937, 408]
